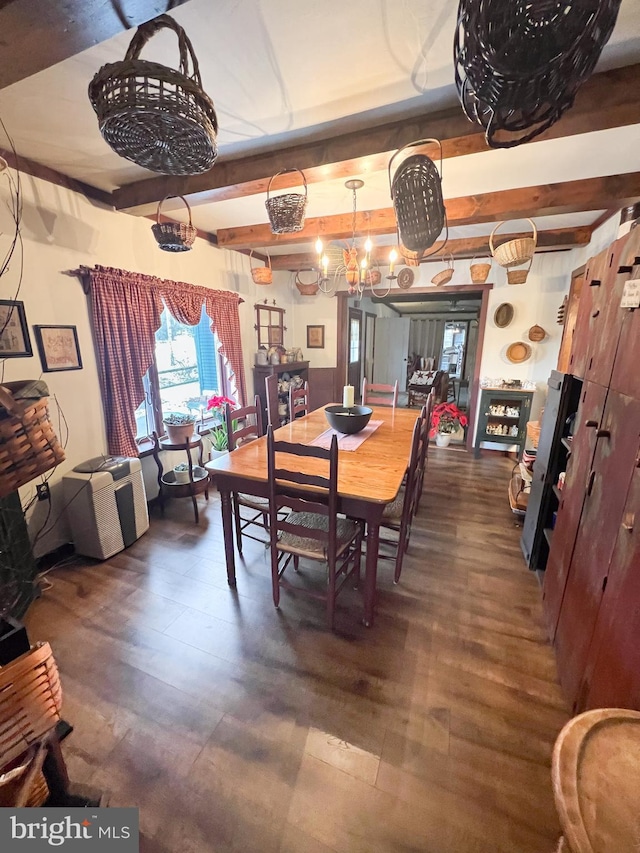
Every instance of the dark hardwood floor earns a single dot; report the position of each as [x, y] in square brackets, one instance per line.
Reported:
[236, 727]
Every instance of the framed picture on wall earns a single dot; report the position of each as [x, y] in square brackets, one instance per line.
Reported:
[14, 334]
[58, 348]
[315, 337]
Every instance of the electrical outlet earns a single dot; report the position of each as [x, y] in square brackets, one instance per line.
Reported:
[43, 492]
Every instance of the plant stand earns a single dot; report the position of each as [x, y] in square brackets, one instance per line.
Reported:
[198, 477]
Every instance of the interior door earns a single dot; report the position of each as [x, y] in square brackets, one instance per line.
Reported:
[392, 351]
[354, 356]
[369, 343]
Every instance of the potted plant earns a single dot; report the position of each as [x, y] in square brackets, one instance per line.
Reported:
[181, 473]
[217, 435]
[179, 427]
[446, 418]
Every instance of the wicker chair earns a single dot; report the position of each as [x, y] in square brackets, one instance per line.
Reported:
[379, 395]
[312, 528]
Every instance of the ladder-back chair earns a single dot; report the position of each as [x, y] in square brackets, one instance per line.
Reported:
[379, 395]
[299, 402]
[271, 390]
[312, 529]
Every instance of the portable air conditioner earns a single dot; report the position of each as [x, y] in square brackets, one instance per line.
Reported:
[106, 505]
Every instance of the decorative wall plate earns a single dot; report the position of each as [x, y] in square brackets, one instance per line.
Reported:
[518, 352]
[406, 278]
[503, 315]
[537, 333]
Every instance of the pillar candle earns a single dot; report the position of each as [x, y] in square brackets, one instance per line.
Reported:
[347, 396]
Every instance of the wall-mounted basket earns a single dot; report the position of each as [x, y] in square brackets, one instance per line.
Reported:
[445, 275]
[261, 275]
[514, 253]
[537, 334]
[28, 444]
[306, 289]
[156, 116]
[479, 270]
[174, 236]
[416, 193]
[286, 212]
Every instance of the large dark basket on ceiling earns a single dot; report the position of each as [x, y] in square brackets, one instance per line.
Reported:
[286, 212]
[156, 116]
[174, 236]
[416, 193]
[518, 65]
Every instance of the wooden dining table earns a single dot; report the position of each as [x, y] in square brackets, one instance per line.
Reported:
[368, 479]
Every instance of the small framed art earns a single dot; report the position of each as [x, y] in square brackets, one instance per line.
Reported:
[58, 348]
[315, 337]
[14, 334]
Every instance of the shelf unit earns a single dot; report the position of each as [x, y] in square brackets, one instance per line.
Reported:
[261, 372]
[491, 400]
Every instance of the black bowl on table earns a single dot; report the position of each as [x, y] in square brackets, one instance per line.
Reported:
[348, 421]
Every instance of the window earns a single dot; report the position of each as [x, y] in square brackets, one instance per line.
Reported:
[187, 370]
[453, 346]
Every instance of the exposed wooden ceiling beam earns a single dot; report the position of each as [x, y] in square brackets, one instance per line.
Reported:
[548, 241]
[610, 99]
[544, 200]
[39, 33]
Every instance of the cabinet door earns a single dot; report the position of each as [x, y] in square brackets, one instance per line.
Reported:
[605, 494]
[588, 419]
[612, 677]
[606, 316]
[589, 304]
[626, 375]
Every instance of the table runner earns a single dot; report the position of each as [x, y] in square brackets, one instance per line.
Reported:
[345, 442]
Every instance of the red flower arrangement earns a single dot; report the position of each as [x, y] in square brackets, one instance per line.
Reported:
[218, 402]
[445, 418]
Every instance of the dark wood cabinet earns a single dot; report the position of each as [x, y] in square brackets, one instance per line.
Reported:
[503, 417]
[592, 581]
[260, 373]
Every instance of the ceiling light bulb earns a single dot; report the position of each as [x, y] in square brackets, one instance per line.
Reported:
[319, 246]
[368, 245]
[393, 256]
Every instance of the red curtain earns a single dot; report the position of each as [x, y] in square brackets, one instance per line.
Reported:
[126, 309]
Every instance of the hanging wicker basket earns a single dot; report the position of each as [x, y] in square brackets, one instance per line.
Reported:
[518, 276]
[411, 259]
[28, 444]
[174, 236]
[416, 193]
[445, 275]
[156, 116]
[261, 275]
[514, 253]
[286, 212]
[306, 289]
[518, 65]
[479, 271]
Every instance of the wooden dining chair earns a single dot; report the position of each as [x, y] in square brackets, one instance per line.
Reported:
[379, 395]
[312, 528]
[425, 420]
[398, 515]
[299, 402]
[271, 390]
[245, 425]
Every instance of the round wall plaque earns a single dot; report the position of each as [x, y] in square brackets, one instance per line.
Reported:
[406, 277]
[518, 352]
[537, 333]
[503, 315]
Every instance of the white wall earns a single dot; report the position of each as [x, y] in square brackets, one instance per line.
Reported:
[62, 230]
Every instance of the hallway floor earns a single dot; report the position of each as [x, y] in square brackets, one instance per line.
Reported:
[236, 727]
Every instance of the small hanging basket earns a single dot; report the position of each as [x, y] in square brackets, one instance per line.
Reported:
[286, 212]
[479, 271]
[261, 275]
[306, 289]
[518, 276]
[514, 253]
[156, 116]
[174, 236]
[28, 444]
[416, 193]
[445, 275]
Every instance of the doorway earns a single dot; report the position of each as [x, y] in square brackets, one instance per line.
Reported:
[369, 345]
[354, 349]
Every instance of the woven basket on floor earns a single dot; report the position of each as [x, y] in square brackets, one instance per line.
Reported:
[479, 271]
[261, 275]
[286, 212]
[416, 193]
[174, 236]
[518, 65]
[156, 116]
[28, 443]
[516, 252]
[533, 433]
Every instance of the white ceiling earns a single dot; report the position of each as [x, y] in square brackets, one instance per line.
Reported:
[280, 72]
